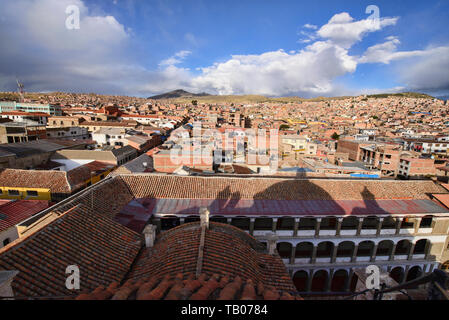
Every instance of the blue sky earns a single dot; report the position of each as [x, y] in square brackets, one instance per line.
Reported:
[275, 48]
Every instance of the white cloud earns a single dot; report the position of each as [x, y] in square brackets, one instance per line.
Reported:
[428, 72]
[342, 30]
[96, 58]
[309, 71]
[177, 58]
[310, 26]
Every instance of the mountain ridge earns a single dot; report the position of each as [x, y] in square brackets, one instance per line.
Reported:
[179, 93]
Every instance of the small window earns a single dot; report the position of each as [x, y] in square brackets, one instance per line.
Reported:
[6, 241]
[13, 192]
[32, 193]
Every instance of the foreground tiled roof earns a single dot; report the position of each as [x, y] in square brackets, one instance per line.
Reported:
[14, 212]
[227, 251]
[186, 287]
[234, 266]
[101, 248]
[182, 187]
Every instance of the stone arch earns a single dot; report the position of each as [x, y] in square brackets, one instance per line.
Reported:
[403, 247]
[319, 281]
[339, 280]
[304, 250]
[325, 249]
[397, 274]
[421, 246]
[345, 249]
[284, 249]
[300, 280]
[385, 248]
[414, 273]
[365, 248]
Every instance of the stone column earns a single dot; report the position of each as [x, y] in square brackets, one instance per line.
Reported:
[309, 281]
[398, 225]
[348, 280]
[334, 254]
[313, 259]
[317, 227]
[410, 254]
[373, 254]
[359, 226]
[354, 254]
[293, 255]
[339, 221]
[295, 228]
[427, 249]
[379, 227]
[417, 223]
[275, 221]
[271, 244]
[393, 251]
[327, 286]
[251, 226]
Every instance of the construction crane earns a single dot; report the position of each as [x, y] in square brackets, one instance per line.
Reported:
[20, 90]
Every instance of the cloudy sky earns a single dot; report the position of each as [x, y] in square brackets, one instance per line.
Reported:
[274, 48]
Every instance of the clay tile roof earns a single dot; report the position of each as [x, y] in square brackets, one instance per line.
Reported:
[14, 212]
[56, 181]
[168, 186]
[234, 268]
[101, 248]
[177, 288]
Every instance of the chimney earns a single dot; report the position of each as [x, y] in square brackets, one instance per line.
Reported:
[204, 216]
[6, 278]
[272, 241]
[150, 235]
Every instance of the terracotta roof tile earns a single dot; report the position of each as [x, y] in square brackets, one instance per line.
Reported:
[101, 248]
[180, 287]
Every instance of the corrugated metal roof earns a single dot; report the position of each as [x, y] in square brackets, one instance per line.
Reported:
[295, 207]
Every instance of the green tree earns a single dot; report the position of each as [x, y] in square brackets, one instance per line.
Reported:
[335, 136]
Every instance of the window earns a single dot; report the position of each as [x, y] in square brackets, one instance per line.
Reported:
[32, 193]
[13, 192]
[6, 241]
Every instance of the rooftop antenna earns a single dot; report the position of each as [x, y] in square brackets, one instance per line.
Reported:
[20, 90]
